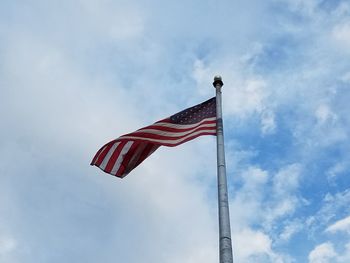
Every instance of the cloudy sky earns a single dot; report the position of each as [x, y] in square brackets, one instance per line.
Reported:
[76, 74]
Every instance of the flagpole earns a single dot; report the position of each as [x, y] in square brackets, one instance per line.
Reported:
[225, 245]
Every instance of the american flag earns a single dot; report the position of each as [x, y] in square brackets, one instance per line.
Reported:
[120, 156]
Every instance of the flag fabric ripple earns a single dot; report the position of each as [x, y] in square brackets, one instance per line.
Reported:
[120, 156]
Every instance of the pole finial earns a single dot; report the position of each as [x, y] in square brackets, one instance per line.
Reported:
[217, 81]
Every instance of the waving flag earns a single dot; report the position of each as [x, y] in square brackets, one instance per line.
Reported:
[123, 154]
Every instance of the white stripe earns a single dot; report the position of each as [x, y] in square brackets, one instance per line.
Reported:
[100, 154]
[109, 154]
[117, 164]
[174, 142]
[173, 134]
[182, 126]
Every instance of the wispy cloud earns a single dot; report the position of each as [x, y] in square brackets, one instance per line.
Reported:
[341, 225]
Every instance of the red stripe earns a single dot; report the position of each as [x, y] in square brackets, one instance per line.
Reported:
[146, 152]
[135, 157]
[127, 158]
[96, 155]
[104, 153]
[114, 157]
[168, 138]
[190, 138]
[174, 144]
[179, 128]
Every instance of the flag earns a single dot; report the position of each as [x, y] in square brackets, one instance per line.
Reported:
[120, 156]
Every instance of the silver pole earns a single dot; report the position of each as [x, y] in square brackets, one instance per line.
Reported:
[225, 245]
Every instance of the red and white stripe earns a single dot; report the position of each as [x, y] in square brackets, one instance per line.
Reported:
[122, 155]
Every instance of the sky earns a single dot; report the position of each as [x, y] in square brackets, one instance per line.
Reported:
[77, 74]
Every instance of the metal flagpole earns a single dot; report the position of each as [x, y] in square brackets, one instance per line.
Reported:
[225, 245]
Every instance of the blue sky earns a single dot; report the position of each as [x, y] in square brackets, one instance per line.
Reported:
[75, 74]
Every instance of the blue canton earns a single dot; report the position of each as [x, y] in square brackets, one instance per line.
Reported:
[196, 113]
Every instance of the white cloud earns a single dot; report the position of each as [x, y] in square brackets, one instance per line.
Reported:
[290, 229]
[342, 225]
[254, 177]
[326, 253]
[250, 244]
[341, 34]
[286, 181]
[268, 124]
[335, 170]
[332, 205]
[324, 114]
[58, 114]
[258, 203]
[109, 18]
[323, 253]
[263, 203]
[250, 196]
[7, 245]
[247, 97]
[306, 7]
[346, 77]
[342, 10]
[345, 257]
